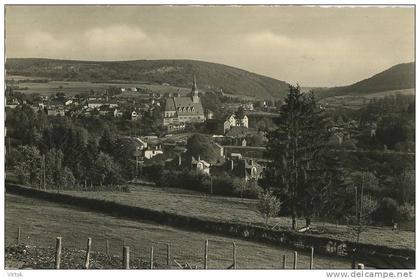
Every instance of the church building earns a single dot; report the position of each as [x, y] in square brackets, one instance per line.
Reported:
[181, 110]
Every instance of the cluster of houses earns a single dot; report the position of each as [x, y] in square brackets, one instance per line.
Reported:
[236, 162]
[234, 156]
[89, 105]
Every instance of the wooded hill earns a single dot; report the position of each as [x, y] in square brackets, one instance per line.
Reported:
[401, 76]
[210, 76]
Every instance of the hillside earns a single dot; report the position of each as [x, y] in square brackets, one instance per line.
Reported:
[174, 72]
[398, 77]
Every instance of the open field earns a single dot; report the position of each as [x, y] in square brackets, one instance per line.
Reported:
[356, 100]
[190, 203]
[72, 88]
[42, 221]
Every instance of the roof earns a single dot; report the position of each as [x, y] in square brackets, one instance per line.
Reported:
[195, 161]
[170, 104]
[187, 102]
[129, 146]
[183, 106]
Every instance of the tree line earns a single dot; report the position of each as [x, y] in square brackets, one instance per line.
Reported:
[309, 178]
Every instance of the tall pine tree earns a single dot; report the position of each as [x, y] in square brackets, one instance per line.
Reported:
[296, 149]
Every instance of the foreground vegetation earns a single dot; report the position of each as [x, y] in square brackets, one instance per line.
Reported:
[195, 204]
[42, 221]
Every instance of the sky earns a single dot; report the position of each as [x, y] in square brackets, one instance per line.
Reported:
[312, 46]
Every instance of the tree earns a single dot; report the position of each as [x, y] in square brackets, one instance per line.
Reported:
[407, 212]
[107, 141]
[72, 141]
[211, 101]
[296, 151]
[406, 183]
[268, 205]
[366, 180]
[365, 207]
[28, 165]
[24, 125]
[53, 167]
[106, 171]
[200, 145]
[239, 115]
[66, 180]
[388, 211]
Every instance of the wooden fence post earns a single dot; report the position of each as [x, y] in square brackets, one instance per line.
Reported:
[311, 261]
[18, 236]
[126, 257]
[206, 249]
[88, 246]
[234, 256]
[168, 254]
[151, 257]
[107, 248]
[360, 266]
[284, 261]
[57, 252]
[295, 260]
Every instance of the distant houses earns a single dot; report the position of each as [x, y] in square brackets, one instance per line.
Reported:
[151, 151]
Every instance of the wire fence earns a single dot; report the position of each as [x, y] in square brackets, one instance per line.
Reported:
[75, 250]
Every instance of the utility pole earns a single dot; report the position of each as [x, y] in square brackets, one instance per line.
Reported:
[137, 161]
[357, 206]
[43, 164]
[361, 195]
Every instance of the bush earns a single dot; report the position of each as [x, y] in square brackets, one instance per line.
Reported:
[219, 185]
[268, 205]
[387, 212]
[407, 212]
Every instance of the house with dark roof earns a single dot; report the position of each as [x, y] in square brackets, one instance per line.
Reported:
[180, 109]
[244, 168]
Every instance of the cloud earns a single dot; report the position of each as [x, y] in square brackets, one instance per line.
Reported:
[117, 36]
[311, 60]
[38, 42]
[268, 38]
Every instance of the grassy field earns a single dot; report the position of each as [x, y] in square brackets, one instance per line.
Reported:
[72, 88]
[42, 221]
[200, 205]
[356, 100]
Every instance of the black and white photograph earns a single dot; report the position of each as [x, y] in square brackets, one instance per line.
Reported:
[209, 137]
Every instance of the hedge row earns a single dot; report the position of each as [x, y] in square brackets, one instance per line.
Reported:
[384, 256]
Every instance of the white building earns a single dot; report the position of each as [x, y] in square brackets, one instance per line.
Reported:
[233, 121]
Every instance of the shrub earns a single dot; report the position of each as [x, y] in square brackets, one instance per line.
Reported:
[268, 205]
[387, 212]
[407, 212]
[218, 185]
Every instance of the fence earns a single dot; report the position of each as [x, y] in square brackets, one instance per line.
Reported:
[87, 253]
[377, 256]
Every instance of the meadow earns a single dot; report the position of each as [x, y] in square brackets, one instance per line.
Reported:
[71, 88]
[41, 222]
[356, 100]
[199, 205]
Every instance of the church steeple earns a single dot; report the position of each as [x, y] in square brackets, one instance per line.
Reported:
[194, 91]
